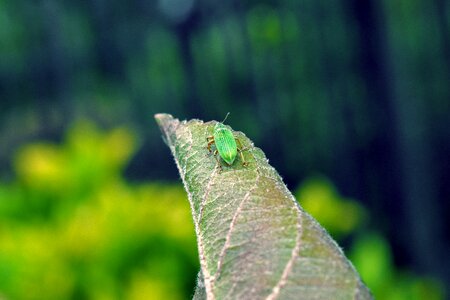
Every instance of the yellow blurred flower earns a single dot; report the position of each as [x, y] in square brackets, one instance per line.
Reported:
[42, 166]
[73, 227]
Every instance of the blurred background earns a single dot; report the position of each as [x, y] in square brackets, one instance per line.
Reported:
[350, 101]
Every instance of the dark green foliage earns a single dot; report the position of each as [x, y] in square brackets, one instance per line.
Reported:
[356, 90]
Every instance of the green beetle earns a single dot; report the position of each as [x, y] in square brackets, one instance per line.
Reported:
[227, 145]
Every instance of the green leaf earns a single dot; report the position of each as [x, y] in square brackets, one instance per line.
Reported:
[254, 240]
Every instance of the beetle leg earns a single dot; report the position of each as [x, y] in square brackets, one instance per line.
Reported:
[240, 149]
[244, 163]
[211, 141]
[209, 146]
[218, 161]
[238, 142]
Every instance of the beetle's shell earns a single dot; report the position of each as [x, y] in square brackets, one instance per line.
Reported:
[225, 143]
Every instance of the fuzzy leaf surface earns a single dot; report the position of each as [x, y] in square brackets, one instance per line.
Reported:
[254, 240]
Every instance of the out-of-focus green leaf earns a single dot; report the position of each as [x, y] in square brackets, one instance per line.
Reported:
[372, 256]
[253, 238]
[338, 215]
[71, 227]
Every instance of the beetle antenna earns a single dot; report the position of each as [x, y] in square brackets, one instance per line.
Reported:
[226, 117]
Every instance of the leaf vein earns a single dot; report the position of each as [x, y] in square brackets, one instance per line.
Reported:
[294, 255]
[232, 225]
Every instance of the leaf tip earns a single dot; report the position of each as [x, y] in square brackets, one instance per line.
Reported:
[163, 119]
[167, 124]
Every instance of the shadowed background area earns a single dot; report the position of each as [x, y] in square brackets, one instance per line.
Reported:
[350, 101]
